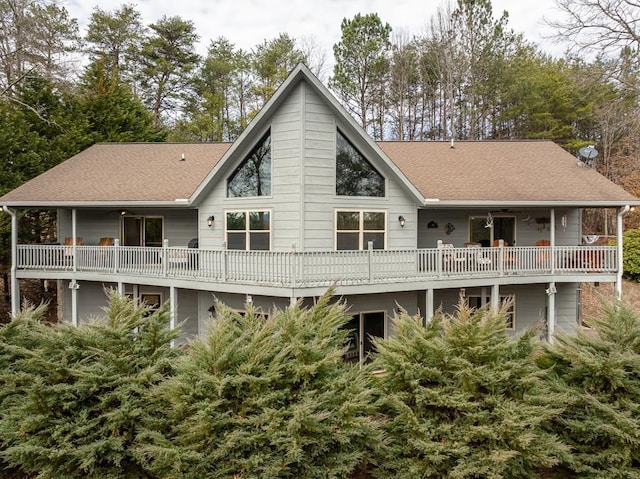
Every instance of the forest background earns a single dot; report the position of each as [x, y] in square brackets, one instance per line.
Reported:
[468, 76]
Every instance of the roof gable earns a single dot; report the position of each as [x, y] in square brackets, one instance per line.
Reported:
[258, 126]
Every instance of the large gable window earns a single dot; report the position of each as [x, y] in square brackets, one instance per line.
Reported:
[355, 175]
[253, 176]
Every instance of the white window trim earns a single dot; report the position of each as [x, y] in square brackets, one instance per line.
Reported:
[361, 230]
[247, 231]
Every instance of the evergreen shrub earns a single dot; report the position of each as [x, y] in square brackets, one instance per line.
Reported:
[464, 399]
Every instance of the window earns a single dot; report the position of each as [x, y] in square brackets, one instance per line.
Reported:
[248, 230]
[142, 231]
[485, 230]
[355, 175]
[253, 176]
[354, 229]
[477, 302]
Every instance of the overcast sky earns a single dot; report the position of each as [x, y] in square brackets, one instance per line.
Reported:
[246, 23]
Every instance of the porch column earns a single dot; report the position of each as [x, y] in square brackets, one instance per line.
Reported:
[293, 300]
[618, 286]
[551, 311]
[120, 288]
[495, 297]
[74, 286]
[173, 304]
[428, 309]
[73, 240]
[552, 234]
[15, 284]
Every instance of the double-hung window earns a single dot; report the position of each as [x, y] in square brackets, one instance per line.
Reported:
[355, 229]
[248, 230]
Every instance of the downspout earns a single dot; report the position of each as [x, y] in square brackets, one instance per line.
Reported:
[623, 211]
[15, 286]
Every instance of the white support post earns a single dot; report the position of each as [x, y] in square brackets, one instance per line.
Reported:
[74, 286]
[551, 312]
[619, 241]
[495, 297]
[73, 240]
[428, 314]
[15, 284]
[173, 303]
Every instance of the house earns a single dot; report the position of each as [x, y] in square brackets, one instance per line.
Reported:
[305, 199]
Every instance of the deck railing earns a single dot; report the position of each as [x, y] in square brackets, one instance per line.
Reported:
[311, 269]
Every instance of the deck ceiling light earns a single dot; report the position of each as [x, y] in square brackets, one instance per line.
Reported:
[401, 220]
[210, 220]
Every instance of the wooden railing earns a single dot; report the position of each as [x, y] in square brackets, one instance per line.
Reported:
[309, 269]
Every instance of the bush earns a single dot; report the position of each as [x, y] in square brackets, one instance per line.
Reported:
[464, 399]
[268, 398]
[631, 254]
[73, 398]
[598, 374]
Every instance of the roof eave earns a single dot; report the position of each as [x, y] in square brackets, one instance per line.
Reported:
[437, 203]
[178, 203]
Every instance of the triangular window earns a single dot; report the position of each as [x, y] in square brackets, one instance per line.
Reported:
[253, 176]
[355, 175]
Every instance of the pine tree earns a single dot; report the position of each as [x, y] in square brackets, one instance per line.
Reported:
[598, 372]
[73, 398]
[268, 397]
[464, 399]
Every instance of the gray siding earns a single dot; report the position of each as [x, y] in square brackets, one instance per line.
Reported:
[526, 232]
[92, 298]
[180, 226]
[303, 200]
[531, 303]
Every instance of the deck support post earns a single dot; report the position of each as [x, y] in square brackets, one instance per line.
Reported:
[619, 240]
[495, 297]
[15, 284]
[551, 311]
[173, 304]
[428, 310]
[74, 286]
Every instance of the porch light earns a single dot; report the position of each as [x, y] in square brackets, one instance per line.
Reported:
[401, 220]
[210, 220]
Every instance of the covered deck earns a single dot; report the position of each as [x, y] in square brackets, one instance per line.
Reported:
[315, 269]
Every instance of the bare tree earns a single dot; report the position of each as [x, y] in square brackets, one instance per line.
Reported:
[598, 25]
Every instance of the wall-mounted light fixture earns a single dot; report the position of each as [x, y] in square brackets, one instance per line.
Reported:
[210, 220]
[563, 221]
[401, 220]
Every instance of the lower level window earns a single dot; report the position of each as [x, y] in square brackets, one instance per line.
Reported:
[248, 230]
[477, 302]
[356, 229]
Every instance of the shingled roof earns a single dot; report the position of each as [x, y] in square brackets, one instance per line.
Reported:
[474, 171]
[501, 171]
[123, 172]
